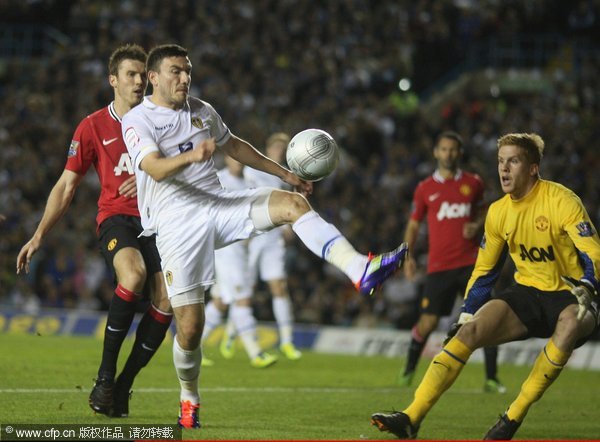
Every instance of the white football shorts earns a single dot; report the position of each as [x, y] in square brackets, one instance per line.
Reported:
[188, 235]
[231, 270]
[266, 253]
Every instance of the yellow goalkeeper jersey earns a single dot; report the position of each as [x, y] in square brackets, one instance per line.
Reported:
[547, 233]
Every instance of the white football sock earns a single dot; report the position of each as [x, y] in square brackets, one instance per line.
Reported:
[187, 365]
[230, 332]
[282, 310]
[245, 325]
[326, 241]
[213, 318]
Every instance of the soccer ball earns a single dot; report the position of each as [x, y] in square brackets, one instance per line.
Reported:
[312, 154]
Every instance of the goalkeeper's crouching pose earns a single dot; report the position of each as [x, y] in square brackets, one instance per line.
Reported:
[556, 250]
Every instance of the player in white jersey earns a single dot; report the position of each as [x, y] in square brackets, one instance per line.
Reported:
[267, 256]
[234, 285]
[171, 138]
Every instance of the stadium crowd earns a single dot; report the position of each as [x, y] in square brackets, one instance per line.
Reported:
[287, 65]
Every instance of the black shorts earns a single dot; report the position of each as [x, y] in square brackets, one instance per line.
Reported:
[442, 288]
[120, 231]
[538, 310]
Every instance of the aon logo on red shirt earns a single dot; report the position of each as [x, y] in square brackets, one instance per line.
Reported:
[124, 165]
[453, 211]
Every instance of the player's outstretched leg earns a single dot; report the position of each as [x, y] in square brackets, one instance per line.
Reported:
[381, 267]
[367, 273]
[396, 423]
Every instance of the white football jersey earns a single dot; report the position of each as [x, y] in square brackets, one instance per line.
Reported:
[151, 128]
[266, 252]
[231, 182]
[257, 178]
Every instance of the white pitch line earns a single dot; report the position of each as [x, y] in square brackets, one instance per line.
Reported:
[210, 389]
[234, 390]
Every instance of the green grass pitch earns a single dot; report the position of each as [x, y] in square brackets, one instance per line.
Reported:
[47, 379]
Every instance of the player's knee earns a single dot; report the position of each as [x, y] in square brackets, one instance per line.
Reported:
[220, 305]
[427, 324]
[243, 302]
[471, 335]
[569, 329]
[279, 288]
[284, 208]
[568, 322]
[189, 334]
[133, 278]
[297, 206]
[162, 303]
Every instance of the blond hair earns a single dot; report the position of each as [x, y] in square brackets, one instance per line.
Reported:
[278, 137]
[531, 143]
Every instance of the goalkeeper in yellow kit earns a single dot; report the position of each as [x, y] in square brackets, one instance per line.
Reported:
[556, 250]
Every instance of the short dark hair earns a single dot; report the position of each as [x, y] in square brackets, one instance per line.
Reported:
[126, 52]
[451, 135]
[159, 53]
[532, 144]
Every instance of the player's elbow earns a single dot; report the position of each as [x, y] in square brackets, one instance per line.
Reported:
[158, 176]
[154, 170]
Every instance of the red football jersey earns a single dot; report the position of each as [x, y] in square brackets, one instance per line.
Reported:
[98, 141]
[449, 204]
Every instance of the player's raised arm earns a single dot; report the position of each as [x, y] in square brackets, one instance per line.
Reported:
[58, 202]
[246, 154]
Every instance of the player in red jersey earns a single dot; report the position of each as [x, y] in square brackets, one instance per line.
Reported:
[452, 201]
[135, 261]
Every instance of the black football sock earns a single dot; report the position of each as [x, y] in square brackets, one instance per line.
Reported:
[417, 343]
[150, 333]
[491, 362]
[120, 316]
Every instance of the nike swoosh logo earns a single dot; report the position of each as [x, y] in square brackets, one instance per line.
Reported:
[114, 329]
[434, 196]
[107, 142]
[549, 378]
[145, 347]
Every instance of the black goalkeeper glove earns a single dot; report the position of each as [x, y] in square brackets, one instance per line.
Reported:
[462, 319]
